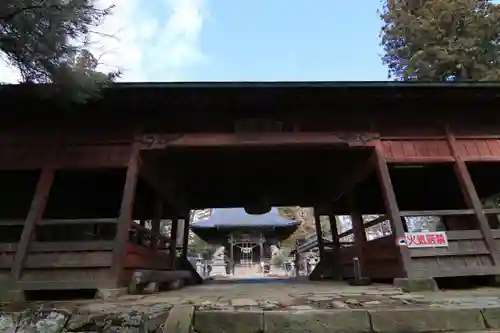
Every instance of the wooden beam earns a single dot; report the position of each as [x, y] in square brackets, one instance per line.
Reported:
[162, 141]
[126, 210]
[336, 264]
[448, 212]
[37, 209]
[368, 224]
[359, 232]
[333, 230]
[319, 235]
[392, 210]
[173, 239]
[472, 198]
[34, 215]
[185, 238]
[156, 221]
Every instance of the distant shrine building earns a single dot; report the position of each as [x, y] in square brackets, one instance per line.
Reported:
[84, 187]
[246, 239]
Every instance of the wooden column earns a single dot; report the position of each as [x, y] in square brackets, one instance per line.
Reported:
[156, 221]
[471, 198]
[185, 236]
[261, 247]
[231, 254]
[37, 209]
[126, 210]
[337, 264]
[392, 209]
[359, 232]
[319, 234]
[335, 232]
[173, 240]
[35, 214]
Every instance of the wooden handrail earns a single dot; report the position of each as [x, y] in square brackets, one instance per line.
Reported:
[448, 212]
[368, 224]
[490, 211]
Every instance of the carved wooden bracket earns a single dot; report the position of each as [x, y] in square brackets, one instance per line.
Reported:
[158, 141]
[162, 141]
[357, 138]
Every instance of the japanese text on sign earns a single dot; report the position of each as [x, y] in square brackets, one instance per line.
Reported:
[424, 239]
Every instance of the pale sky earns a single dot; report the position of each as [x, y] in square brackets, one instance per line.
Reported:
[237, 40]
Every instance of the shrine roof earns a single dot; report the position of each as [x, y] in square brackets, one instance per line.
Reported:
[175, 96]
[238, 218]
[308, 84]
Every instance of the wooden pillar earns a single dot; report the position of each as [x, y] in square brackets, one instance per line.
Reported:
[319, 234]
[185, 236]
[36, 211]
[392, 210]
[472, 199]
[231, 254]
[156, 221]
[297, 259]
[140, 235]
[126, 210]
[334, 230]
[173, 240]
[261, 247]
[35, 214]
[359, 233]
[337, 264]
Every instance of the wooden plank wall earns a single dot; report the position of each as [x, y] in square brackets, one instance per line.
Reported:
[466, 254]
[76, 148]
[71, 265]
[436, 149]
[419, 150]
[470, 251]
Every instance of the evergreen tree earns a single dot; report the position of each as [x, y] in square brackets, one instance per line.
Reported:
[441, 40]
[48, 40]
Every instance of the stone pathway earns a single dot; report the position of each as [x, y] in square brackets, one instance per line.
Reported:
[274, 307]
[279, 295]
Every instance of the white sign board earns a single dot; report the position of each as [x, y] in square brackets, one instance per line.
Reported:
[415, 240]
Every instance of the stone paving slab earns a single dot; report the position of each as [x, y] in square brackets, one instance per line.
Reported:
[280, 307]
[183, 319]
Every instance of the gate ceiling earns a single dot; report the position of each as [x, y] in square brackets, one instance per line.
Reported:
[236, 177]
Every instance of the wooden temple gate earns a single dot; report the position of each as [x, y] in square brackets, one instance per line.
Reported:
[74, 187]
[473, 232]
[93, 221]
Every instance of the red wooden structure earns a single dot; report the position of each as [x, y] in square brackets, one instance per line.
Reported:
[74, 178]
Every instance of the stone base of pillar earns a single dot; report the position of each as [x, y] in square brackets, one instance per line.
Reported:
[416, 285]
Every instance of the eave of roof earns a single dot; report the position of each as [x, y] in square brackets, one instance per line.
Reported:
[291, 84]
[307, 84]
[247, 97]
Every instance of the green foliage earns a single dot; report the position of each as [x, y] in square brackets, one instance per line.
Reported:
[440, 40]
[48, 41]
[289, 213]
[307, 224]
